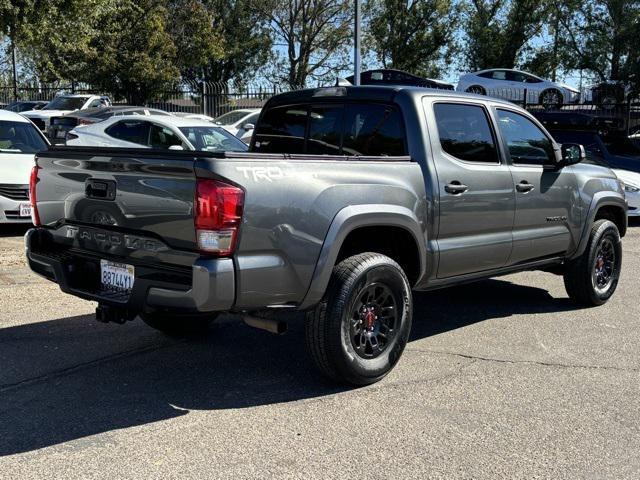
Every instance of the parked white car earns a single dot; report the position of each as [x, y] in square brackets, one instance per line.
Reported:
[239, 122]
[631, 182]
[510, 85]
[63, 104]
[19, 141]
[158, 132]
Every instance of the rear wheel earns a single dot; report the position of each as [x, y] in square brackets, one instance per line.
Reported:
[477, 89]
[592, 278]
[178, 325]
[551, 99]
[358, 332]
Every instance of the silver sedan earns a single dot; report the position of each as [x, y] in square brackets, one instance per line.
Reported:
[513, 85]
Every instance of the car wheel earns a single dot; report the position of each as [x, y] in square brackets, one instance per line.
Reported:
[476, 89]
[551, 99]
[358, 332]
[179, 324]
[592, 278]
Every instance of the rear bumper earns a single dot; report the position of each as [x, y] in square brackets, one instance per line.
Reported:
[211, 287]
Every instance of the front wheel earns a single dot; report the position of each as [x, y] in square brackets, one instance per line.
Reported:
[358, 332]
[592, 278]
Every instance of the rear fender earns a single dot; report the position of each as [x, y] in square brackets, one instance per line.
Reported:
[347, 220]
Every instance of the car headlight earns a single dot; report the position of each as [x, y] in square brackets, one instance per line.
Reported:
[631, 188]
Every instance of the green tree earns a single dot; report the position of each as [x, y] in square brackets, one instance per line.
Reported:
[314, 35]
[219, 40]
[498, 30]
[602, 36]
[413, 35]
[197, 35]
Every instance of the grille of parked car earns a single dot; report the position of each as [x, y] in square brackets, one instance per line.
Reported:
[15, 192]
[39, 123]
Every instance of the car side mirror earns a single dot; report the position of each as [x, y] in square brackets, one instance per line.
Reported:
[176, 147]
[249, 126]
[572, 153]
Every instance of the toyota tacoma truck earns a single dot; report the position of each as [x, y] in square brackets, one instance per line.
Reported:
[348, 200]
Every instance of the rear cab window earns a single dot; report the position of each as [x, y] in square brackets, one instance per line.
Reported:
[357, 129]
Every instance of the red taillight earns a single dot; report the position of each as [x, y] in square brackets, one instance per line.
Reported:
[86, 121]
[218, 212]
[33, 179]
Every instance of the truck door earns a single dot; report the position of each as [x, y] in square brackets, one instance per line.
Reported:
[475, 188]
[547, 215]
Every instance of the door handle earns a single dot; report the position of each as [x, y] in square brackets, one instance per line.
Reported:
[455, 188]
[524, 186]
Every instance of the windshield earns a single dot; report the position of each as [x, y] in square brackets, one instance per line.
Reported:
[621, 145]
[213, 139]
[66, 103]
[588, 140]
[231, 117]
[20, 137]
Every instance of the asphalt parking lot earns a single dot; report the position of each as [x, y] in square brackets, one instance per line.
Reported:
[503, 378]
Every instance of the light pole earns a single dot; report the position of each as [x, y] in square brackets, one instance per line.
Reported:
[356, 44]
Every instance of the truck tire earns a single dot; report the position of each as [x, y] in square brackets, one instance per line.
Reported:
[591, 279]
[358, 332]
[176, 325]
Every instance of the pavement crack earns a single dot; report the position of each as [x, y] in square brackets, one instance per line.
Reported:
[80, 366]
[526, 362]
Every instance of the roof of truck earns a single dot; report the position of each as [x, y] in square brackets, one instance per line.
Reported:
[381, 93]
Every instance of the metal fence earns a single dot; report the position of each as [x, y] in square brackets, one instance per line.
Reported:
[207, 98]
[216, 98]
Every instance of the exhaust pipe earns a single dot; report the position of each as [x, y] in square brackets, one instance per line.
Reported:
[274, 326]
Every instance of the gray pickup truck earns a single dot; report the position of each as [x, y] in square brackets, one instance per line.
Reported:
[349, 199]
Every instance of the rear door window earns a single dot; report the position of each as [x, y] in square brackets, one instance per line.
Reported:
[133, 131]
[282, 130]
[373, 130]
[163, 137]
[465, 132]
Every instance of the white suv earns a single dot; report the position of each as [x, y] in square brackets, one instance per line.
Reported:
[63, 104]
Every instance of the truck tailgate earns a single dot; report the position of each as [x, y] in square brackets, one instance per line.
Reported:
[150, 193]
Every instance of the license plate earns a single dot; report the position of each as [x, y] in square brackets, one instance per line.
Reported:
[25, 210]
[116, 276]
[61, 134]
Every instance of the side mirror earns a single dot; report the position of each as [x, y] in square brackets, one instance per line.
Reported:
[176, 147]
[572, 153]
[248, 126]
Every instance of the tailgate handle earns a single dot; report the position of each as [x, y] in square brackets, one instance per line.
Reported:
[100, 189]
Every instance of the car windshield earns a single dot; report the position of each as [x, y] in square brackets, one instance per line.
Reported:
[20, 137]
[621, 145]
[588, 140]
[213, 139]
[66, 103]
[230, 118]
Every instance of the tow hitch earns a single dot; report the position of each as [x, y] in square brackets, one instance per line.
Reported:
[106, 314]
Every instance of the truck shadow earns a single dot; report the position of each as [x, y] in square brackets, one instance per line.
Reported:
[13, 230]
[71, 378]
